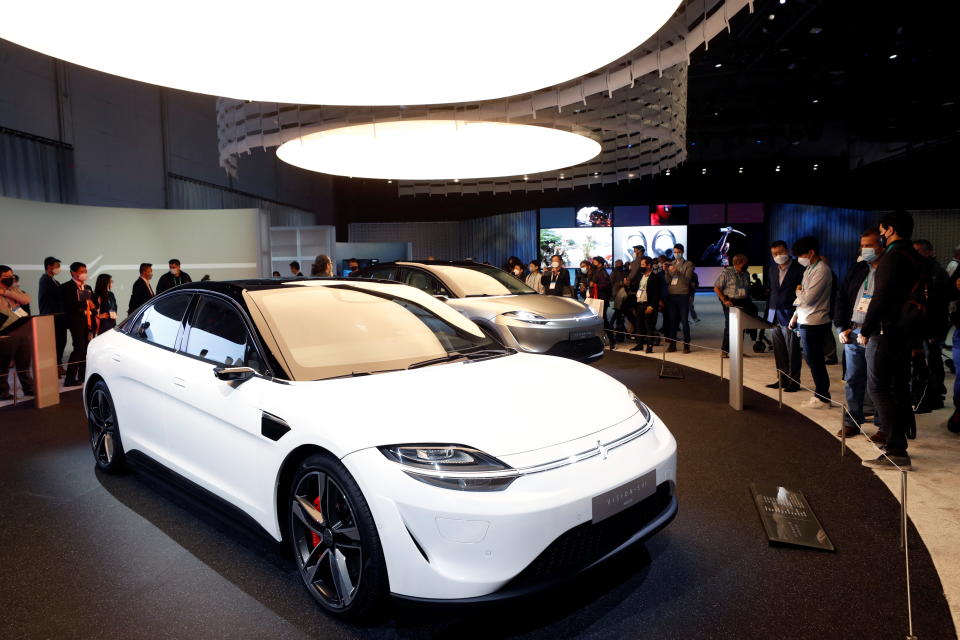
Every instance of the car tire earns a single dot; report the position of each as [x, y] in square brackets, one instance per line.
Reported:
[335, 542]
[104, 430]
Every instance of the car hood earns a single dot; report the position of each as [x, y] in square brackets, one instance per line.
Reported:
[544, 305]
[503, 406]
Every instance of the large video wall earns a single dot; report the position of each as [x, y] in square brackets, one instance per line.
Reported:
[710, 232]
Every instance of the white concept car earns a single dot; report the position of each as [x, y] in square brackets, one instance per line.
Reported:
[374, 429]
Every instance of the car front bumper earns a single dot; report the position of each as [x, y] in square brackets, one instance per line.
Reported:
[448, 545]
[576, 338]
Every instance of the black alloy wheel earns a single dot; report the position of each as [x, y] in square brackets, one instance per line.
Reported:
[335, 542]
[104, 432]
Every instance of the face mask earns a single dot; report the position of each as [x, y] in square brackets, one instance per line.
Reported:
[7, 282]
[781, 259]
[518, 273]
[556, 265]
[175, 272]
[869, 254]
[82, 277]
[804, 262]
[56, 271]
[583, 269]
[678, 256]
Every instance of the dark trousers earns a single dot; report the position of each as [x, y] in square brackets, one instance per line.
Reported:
[786, 353]
[77, 369]
[16, 348]
[646, 323]
[812, 339]
[888, 379]
[679, 312]
[934, 353]
[60, 331]
[743, 303]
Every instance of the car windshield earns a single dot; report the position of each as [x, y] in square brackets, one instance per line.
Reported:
[480, 280]
[345, 329]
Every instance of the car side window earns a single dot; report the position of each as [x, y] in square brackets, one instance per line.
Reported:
[219, 335]
[383, 273]
[160, 323]
[425, 282]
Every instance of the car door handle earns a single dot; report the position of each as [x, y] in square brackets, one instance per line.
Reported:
[180, 382]
[115, 357]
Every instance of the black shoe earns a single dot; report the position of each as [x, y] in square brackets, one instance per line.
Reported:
[6, 396]
[848, 432]
[773, 385]
[637, 347]
[791, 388]
[953, 424]
[831, 361]
[686, 348]
[649, 349]
[672, 347]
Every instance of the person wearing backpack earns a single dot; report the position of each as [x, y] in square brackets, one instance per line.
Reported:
[895, 321]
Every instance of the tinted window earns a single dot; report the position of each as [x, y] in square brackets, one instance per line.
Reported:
[383, 273]
[160, 323]
[425, 282]
[219, 335]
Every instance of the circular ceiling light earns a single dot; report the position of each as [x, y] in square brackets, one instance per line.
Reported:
[337, 53]
[438, 150]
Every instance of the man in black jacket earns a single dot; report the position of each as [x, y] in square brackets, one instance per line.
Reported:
[781, 280]
[142, 291]
[888, 376]
[80, 313]
[172, 278]
[649, 300]
[853, 298]
[556, 280]
[50, 303]
[932, 391]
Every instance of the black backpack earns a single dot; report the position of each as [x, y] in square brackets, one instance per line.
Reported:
[915, 316]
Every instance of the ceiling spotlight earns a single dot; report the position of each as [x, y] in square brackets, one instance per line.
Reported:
[815, 166]
[740, 170]
[437, 150]
[389, 181]
[758, 141]
[816, 100]
[629, 175]
[783, 1]
[668, 172]
[526, 178]
[334, 53]
[815, 31]
[771, 16]
[703, 171]
[456, 179]
[718, 65]
[893, 56]
[777, 169]
[596, 173]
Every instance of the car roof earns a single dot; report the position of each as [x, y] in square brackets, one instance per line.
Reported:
[235, 288]
[427, 263]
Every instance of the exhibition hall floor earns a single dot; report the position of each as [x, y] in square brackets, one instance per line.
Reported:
[86, 554]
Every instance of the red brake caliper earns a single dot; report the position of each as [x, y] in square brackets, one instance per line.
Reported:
[314, 538]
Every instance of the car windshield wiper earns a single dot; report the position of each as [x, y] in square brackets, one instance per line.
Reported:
[357, 374]
[457, 355]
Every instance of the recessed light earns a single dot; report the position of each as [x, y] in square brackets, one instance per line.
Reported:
[740, 170]
[815, 30]
[668, 172]
[629, 175]
[777, 169]
[815, 101]
[718, 65]
[703, 171]
[893, 56]
[771, 16]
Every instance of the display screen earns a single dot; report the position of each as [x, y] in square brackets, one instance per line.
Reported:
[657, 241]
[576, 244]
[594, 217]
[663, 215]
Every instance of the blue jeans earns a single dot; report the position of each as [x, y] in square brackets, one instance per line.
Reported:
[956, 363]
[813, 337]
[679, 316]
[858, 359]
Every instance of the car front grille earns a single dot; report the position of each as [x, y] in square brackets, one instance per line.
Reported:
[586, 543]
[577, 349]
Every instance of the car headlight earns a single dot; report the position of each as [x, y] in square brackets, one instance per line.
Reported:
[526, 316]
[451, 466]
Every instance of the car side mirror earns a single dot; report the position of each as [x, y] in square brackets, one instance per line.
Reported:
[441, 297]
[234, 374]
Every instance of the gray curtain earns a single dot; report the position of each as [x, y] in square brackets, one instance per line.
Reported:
[33, 168]
[184, 193]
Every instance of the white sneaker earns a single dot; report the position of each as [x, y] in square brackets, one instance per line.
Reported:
[815, 403]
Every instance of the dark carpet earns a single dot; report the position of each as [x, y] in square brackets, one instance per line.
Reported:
[89, 555]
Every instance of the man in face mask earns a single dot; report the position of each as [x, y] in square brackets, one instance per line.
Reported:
[172, 278]
[12, 346]
[812, 316]
[678, 275]
[853, 300]
[80, 313]
[649, 297]
[50, 302]
[141, 290]
[781, 280]
[556, 281]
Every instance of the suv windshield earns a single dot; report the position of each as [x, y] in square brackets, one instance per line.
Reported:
[340, 330]
[480, 280]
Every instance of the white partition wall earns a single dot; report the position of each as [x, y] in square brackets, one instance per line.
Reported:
[222, 243]
[302, 244]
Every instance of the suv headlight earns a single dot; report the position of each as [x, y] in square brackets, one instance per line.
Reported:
[527, 316]
[451, 466]
[644, 409]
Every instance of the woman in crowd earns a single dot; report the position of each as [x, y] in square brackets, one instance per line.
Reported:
[583, 279]
[535, 278]
[106, 303]
[517, 272]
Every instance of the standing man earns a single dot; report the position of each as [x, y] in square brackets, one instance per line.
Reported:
[887, 324]
[678, 275]
[782, 279]
[630, 286]
[295, 269]
[648, 302]
[600, 287]
[853, 298]
[939, 326]
[51, 304]
[173, 278]
[13, 347]
[557, 280]
[322, 266]
[80, 312]
[732, 288]
[812, 316]
[142, 291]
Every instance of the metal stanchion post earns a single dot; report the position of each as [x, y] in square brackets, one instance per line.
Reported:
[15, 377]
[721, 365]
[843, 432]
[780, 389]
[906, 553]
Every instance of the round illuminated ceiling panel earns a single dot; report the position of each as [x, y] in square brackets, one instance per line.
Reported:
[339, 53]
[438, 150]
